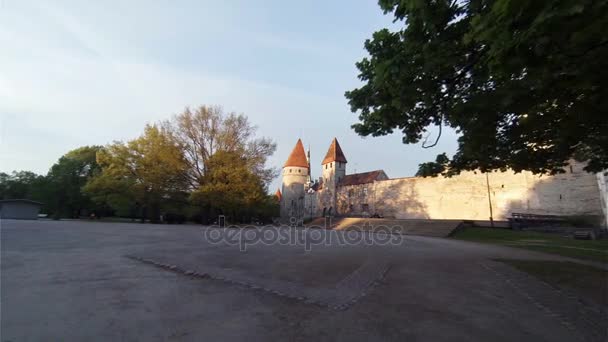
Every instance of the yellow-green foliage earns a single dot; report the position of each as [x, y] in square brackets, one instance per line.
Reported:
[146, 170]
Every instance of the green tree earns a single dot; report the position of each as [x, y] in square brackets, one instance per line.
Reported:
[522, 82]
[435, 168]
[20, 184]
[230, 187]
[66, 179]
[146, 171]
[61, 189]
[113, 192]
[207, 130]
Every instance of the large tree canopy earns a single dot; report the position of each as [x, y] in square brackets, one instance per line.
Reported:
[199, 162]
[206, 130]
[230, 186]
[147, 170]
[22, 185]
[523, 82]
[66, 178]
[61, 189]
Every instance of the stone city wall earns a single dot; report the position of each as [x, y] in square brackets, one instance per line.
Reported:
[466, 196]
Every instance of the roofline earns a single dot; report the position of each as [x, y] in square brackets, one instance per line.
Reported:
[406, 177]
[360, 173]
[345, 185]
[336, 157]
[297, 153]
[379, 171]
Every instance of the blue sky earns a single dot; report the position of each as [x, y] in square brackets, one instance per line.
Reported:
[76, 73]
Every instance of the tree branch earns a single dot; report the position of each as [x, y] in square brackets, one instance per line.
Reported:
[436, 140]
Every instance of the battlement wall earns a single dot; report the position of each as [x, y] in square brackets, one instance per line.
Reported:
[465, 196]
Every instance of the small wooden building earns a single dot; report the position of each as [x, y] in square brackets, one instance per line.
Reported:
[19, 209]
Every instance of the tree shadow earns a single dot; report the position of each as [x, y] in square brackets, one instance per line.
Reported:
[384, 198]
[400, 199]
[574, 194]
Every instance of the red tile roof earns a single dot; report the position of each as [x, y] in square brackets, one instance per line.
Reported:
[363, 178]
[297, 156]
[334, 153]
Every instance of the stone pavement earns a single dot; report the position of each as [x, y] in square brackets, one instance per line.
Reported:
[337, 297]
[75, 281]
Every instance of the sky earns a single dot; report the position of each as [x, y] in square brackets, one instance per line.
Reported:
[75, 73]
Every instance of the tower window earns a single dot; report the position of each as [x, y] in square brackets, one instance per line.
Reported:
[325, 166]
[299, 171]
[289, 170]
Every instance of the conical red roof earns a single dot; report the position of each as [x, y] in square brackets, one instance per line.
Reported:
[334, 154]
[297, 156]
[278, 194]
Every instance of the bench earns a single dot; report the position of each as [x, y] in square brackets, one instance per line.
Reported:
[584, 235]
[522, 220]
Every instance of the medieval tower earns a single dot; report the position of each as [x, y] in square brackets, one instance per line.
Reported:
[300, 197]
[333, 170]
[295, 175]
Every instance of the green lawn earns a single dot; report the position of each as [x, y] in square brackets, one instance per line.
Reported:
[589, 282]
[596, 250]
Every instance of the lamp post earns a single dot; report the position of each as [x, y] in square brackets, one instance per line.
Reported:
[310, 192]
[301, 207]
[489, 200]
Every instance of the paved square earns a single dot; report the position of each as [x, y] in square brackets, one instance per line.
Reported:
[72, 281]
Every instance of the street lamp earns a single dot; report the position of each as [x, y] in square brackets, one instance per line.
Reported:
[489, 200]
[310, 192]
